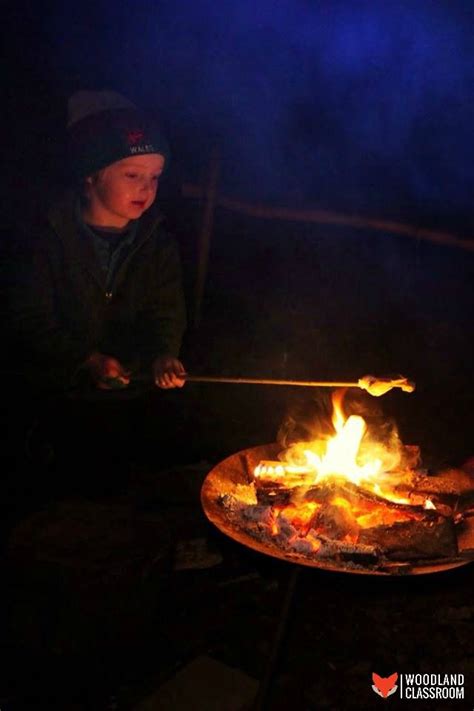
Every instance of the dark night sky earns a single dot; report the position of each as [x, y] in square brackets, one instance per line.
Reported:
[359, 106]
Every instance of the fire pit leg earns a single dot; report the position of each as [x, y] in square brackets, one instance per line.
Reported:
[265, 684]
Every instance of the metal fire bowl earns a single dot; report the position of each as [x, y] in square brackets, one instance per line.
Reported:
[234, 470]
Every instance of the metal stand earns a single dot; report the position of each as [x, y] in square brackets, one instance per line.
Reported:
[261, 700]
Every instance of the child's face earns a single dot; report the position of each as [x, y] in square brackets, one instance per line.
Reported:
[124, 190]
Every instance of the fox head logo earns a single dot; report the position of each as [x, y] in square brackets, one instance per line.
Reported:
[384, 687]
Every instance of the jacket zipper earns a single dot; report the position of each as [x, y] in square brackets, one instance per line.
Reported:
[122, 268]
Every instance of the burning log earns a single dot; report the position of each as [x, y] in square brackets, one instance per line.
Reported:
[274, 493]
[452, 487]
[337, 522]
[355, 517]
[397, 531]
[276, 483]
[413, 540]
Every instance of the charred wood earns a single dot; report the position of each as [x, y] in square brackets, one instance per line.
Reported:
[413, 540]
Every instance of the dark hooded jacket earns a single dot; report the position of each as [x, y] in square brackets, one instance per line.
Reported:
[59, 310]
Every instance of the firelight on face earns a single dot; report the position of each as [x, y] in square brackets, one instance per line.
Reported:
[123, 191]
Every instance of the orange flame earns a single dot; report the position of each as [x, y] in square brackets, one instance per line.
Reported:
[353, 454]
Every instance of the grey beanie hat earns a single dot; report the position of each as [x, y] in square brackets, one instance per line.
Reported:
[104, 127]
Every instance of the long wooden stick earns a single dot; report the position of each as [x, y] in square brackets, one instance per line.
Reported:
[373, 385]
[270, 381]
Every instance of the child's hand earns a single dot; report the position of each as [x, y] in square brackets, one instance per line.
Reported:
[168, 372]
[106, 372]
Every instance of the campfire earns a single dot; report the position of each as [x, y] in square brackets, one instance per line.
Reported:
[340, 490]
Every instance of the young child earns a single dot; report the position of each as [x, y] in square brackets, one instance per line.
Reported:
[104, 299]
[94, 297]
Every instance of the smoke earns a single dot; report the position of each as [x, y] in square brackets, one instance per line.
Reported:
[309, 418]
[353, 104]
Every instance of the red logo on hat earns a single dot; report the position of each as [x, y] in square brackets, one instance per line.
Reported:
[135, 137]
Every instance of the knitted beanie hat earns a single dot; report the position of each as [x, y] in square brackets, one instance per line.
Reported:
[104, 127]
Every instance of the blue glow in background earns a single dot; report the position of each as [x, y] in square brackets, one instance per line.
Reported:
[364, 106]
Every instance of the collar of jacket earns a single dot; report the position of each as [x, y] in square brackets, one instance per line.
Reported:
[62, 219]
